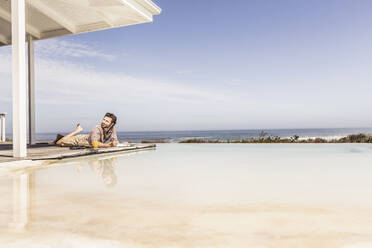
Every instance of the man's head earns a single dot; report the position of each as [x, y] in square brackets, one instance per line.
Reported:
[108, 120]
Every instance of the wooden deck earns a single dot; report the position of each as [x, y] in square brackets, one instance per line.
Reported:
[46, 151]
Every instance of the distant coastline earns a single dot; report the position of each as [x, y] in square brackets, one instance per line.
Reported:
[265, 138]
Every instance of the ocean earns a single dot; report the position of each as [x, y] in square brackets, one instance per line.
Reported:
[176, 136]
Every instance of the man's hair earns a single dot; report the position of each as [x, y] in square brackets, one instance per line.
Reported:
[112, 116]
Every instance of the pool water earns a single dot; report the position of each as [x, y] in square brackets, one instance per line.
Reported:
[195, 195]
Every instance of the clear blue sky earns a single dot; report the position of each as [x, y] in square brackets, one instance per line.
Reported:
[212, 65]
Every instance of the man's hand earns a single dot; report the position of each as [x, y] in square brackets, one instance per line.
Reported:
[113, 143]
[107, 145]
[104, 145]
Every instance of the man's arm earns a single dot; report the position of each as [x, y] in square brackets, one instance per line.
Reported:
[114, 138]
[105, 145]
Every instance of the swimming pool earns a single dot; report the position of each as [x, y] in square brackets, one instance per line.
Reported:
[195, 195]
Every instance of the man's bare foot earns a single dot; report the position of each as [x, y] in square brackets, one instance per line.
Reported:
[78, 128]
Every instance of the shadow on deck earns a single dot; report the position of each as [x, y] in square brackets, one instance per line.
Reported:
[47, 151]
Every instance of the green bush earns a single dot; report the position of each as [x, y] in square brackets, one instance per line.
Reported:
[263, 138]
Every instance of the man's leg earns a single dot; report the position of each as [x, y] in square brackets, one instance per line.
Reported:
[77, 130]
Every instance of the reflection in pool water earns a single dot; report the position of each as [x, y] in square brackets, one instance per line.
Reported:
[195, 196]
[105, 168]
[23, 199]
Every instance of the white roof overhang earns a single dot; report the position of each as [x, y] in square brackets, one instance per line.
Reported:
[53, 18]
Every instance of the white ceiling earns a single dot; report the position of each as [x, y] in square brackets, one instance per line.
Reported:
[53, 18]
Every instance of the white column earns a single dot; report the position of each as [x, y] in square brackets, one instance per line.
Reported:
[31, 91]
[2, 123]
[19, 78]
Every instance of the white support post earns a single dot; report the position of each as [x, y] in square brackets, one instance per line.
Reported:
[31, 91]
[2, 123]
[19, 78]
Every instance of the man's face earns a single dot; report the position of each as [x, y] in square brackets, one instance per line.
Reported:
[106, 122]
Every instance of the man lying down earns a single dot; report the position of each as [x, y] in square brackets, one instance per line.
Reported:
[97, 138]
